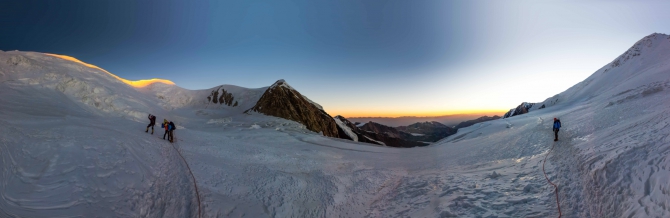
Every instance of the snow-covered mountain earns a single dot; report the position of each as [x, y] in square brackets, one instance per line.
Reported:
[624, 74]
[72, 144]
[611, 157]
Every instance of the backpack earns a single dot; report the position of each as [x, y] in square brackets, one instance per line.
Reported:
[557, 124]
[171, 126]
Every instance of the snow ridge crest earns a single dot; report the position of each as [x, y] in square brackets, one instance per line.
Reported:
[637, 49]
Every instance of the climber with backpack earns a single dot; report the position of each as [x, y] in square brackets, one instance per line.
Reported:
[166, 126]
[152, 123]
[172, 127]
[557, 126]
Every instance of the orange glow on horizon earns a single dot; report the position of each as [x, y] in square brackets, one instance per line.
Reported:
[348, 114]
[137, 83]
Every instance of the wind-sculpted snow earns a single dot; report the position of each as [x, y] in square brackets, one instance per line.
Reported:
[137, 83]
[62, 157]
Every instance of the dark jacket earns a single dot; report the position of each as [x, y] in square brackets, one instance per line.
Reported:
[152, 119]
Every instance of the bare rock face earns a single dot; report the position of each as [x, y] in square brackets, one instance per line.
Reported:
[223, 98]
[350, 131]
[281, 100]
[521, 109]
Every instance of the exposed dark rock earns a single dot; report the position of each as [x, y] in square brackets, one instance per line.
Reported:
[221, 96]
[215, 95]
[281, 100]
[347, 128]
[475, 121]
[521, 109]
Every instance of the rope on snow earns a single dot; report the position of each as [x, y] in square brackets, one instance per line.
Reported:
[555, 186]
[195, 183]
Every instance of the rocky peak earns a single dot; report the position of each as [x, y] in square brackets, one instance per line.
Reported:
[221, 96]
[282, 100]
[521, 109]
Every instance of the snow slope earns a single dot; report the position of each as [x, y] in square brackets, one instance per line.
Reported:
[63, 156]
[611, 159]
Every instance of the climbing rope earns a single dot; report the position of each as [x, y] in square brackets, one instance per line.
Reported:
[555, 186]
[195, 184]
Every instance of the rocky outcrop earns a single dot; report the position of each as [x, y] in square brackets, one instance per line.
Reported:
[521, 109]
[426, 131]
[281, 100]
[223, 98]
[475, 121]
[352, 132]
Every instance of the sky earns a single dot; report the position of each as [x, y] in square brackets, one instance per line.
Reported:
[355, 58]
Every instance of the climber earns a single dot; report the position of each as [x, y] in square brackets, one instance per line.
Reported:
[166, 126]
[557, 126]
[152, 123]
[172, 127]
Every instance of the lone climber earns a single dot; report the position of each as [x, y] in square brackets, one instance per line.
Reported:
[152, 123]
[557, 126]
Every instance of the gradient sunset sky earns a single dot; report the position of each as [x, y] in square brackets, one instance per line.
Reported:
[356, 58]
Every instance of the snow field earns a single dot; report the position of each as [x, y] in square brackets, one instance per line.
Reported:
[63, 155]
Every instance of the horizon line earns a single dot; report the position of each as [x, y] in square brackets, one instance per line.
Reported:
[475, 112]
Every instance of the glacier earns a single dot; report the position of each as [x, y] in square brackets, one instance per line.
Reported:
[72, 144]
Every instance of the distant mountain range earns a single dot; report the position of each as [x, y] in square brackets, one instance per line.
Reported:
[448, 120]
[475, 121]
[427, 131]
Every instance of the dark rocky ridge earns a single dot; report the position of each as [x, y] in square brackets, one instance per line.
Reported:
[281, 100]
[521, 109]
[475, 121]
[430, 131]
[379, 128]
[361, 135]
[389, 135]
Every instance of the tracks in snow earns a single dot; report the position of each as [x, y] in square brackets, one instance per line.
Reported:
[195, 183]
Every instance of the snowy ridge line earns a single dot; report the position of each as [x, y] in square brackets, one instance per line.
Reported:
[195, 183]
[555, 187]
